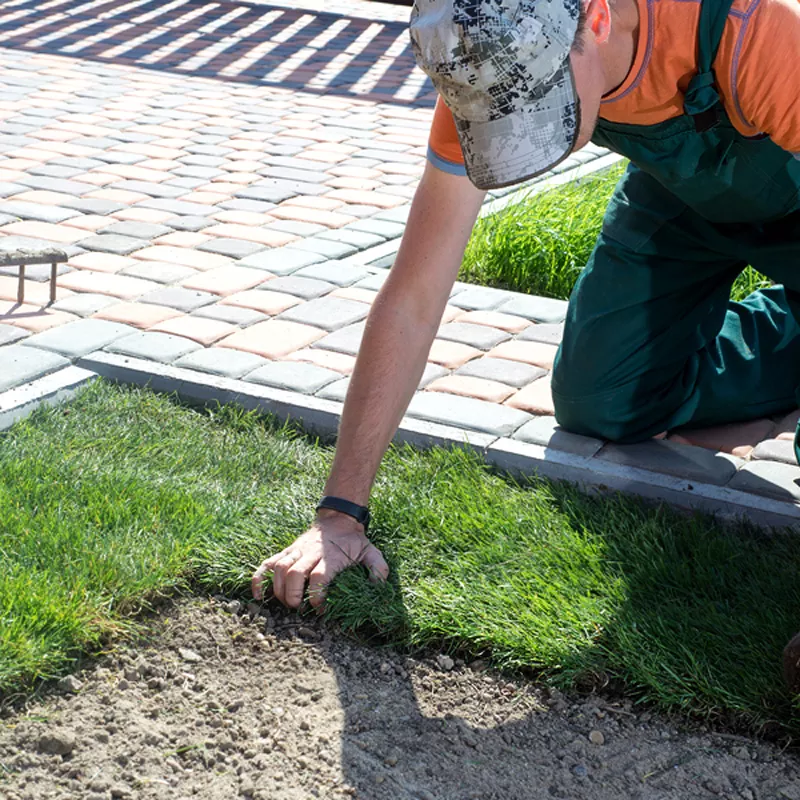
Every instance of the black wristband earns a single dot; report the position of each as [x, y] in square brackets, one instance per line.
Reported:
[358, 513]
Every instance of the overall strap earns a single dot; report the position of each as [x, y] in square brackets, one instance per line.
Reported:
[702, 99]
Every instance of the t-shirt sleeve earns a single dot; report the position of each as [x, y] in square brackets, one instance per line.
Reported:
[444, 149]
[767, 82]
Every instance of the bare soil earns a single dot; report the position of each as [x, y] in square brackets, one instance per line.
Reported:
[215, 703]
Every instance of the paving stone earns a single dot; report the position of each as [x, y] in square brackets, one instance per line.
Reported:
[307, 288]
[177, 297]
[467, 412]
[379, 227]
[358, 239]
[240, 204]
[372, 283]
[233, 248]
[79, 163]
[148, 188]
[161, 347]
[680, 460]
[480, 298]
[767, 478]
[235, 315]
[738, 438]
[222, 361]
[158, 271]
[296, 227]
[479, 336]
[273, 339]
[75, 188]
[10, 334]
[22, 209]
[205, 173]
[186, 183]
[180, 208]
[54, 171]
[84, 304]
[333, 272]
[113, 243]
[537, 309]
[513, 373]
[188, 223]
[37, 272]
[545, 333]
[546, 432]
[294, 376]
[20, 364]
[136, 230]
[328, 313]
[288, 173]
[77, 339]
[398, 214]
[118, 157]
[775, 450]
[266, 194]
[9, 189]
[326, 247]
[335, 391]
[345, 340]
[281, 261]
[432, 372]
[478, 388]
[93, 205]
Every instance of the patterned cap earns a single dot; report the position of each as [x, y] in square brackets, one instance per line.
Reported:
[503, 69]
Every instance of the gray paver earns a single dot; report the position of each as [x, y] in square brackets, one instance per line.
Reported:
[189, 223]
[333, 272]
[186, 183]
[118, 157]
[76, 339]
[266, 194]
[59, 185]
[295, 376]
[670, 458]
[549, 333]
[54, 171]
[431, 373]
[326, 247]
[158, 271]
[768, 478]
[179, 298]
[512, 373]
[307, 288]
[345, 340]
[398, 214]
[92, 205]
[181, 208]
[481, 336]
[467, 412]
[222, 361]
[235, 315]
[20, 364]
[775, 450]
[281, 260]
[538, 309]
[380, 227]
[136, 230]
[38, 211]
[113, 243]
[296, 227]
[374, 282]
[233, 248]
[149, 188]
[546, 432]
[84, 304]
[37, 272]
[162, 347]
[10, 189]
[358, 239]
[480, 298]
[328, 313]
[240, 204]
[335, 391]
[10, 334]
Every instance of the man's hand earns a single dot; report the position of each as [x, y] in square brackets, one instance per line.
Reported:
[334, 542]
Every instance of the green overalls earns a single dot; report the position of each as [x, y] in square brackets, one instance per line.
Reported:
[651, 339]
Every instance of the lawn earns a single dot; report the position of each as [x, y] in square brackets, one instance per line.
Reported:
[540, 244]
[125, 494]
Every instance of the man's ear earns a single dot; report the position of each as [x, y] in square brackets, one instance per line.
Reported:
[598, 20]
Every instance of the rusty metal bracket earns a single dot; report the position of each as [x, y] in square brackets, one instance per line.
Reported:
[24, 256]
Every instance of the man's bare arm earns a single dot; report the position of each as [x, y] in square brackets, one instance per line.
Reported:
[397, 339]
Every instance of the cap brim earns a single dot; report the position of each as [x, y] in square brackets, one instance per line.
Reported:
[532, 139]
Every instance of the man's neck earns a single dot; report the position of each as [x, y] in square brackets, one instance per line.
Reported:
[619, 54]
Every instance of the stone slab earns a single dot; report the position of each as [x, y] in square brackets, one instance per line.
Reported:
[546, 432]
[768, 478]
[233, 248]
[536, 309]
[234, 315]
[113, 243]
[38, 211]
[503, 370]
[480, 336]
[222, 361]
[162, 347]
[333, 272]
[282, 261]
[10, 334]
[84, 304]
[480, 298]
[307, 288]
[325, 247]
[467, 412]
[76, 339]
[775, 450]
[136, 230]
[549, 333]
[328, 313]
[345, 340]
[20, 364]
[294, 376]
[179, 298]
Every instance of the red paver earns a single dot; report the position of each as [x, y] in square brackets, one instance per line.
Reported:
[339, 362]
[250, 233]
[88, 222]
[140, 315]
[737, 439]
[42, 197]
[44, 230]
[357, 197]
[452, 354]
[36, 293]
[118, 196]
[354, 293]
[492, 391]
[42, 320]
[450, 313]
[199, 329]
[354, 184]
[196, 259]
[328, 218]
[226, 280]
[313, 201]
[135, 172]
[273, 338]
[206, 198]
[250, 218]
[152, 215]
[182, 239]
[264, 300]
[536, 353]
[494, 319]
[101, 262]
[535, 398]
[96, 178]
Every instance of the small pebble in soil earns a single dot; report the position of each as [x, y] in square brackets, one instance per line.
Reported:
[189, 655]
[445, 663]
[70, 684]
[596, 737]
[580, 771]
[233, 607]
[57, 743]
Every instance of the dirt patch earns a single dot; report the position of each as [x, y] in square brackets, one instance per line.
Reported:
[216, 705]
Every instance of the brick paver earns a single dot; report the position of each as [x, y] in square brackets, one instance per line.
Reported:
[218, 190]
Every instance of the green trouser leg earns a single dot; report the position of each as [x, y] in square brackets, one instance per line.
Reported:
[651, 339]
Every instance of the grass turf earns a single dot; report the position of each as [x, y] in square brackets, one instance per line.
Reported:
[540, 245]
[125, 494]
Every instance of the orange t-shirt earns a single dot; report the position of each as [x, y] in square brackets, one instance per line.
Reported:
[755, 68]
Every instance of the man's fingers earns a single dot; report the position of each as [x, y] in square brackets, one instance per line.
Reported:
[375, 563]
[281, 565]
[294, 582]
[325, 571]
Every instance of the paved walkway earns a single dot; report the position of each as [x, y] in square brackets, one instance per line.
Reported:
[230, 181]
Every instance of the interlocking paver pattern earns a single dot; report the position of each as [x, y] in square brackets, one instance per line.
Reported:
[231, 197]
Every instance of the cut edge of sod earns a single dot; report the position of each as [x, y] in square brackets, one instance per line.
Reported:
[136, 496]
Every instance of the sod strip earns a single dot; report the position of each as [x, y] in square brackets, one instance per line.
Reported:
[124, 494]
